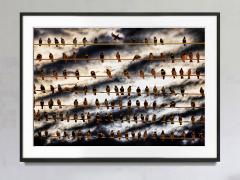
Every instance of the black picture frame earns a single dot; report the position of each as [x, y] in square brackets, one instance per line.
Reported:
[23, 159]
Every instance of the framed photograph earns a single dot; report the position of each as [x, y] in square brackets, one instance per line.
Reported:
[125, 87]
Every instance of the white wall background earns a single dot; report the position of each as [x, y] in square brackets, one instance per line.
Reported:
[11, 168]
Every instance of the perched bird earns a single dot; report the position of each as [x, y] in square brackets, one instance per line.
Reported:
[75, 117]
[135, 117]
[59, 88]
[118, 57]
[94, 89]
[154, 135]
[172, 104]
[93, 74]
[106, 103]
[102, 57]
[174, 73]
[50, 104]
[161, 41]
[184, 41]
[181, 73]
[182, 90]
[120, 103]
[125, 73]
[154, 105]
[55, 74]
[138, 103]
[109, 73]
[155, 40]
[151, 57]
[202, 91]
[108, 89]
[59, 103]
[119, 135]
[41, 103]
[67, 116]
[180, 120]
[42, 88]
[65, 57]
[116, 90]
[193, 119]
[84, 41]
[145, 135]
[62, 41]
[162, 57]
[138, 91]
[97, 103]
[139, 135]
[183, 56]
[85, 103]
[198, 73]
[153, 72]
[42, 74]
[95, 41]
[198, 57]
[112, 104]
[193, 104]
[191, 56]
[145, 104]
[56, 42]
[163, 73]
[122, 90]
[49, 41]
[154, 118]
[172, 91]
[129, 104]
[75, 103]
[39, 57]
[65, 73]
[189, 73]
[163, 91]
[146, 41]
[77, 74]
[141, 73]
[40, 42]
[75, 42]
[85, 90]
[155, 91]
[172, 57]
[51, 57]
[147, 90]
[129, 89]
[136, 57]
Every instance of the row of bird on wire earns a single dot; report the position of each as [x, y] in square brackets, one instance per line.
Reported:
[113, 104]
[85, 42]
[118, 135]
[118, 91]
[108, 117]
[184, 57]
[70, 74]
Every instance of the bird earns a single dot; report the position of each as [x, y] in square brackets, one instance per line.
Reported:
[184, 41]
[202, 91]
[189, 73]
[136, 57]
[118, 57]
[51, 57]
[154, 105]
[59, 88]
[56, 42]
[115, 37]
[155, 91]
[106, 103]
[102, 57]
[41, 103]
[125, 73]
[65, 57]
[50, 104]
[59, 103]
[181, 73]
[163, 73]
[85, 103]
[129, 89]
[193, 104]
[172, 57]
[174, 73]
[198, 73]
[172, 91]
[84, 41]
[183, 56]
[153, 72]
[138, 91]
[39, 57]
[122, 90]
[42, 88]
[146, 41]
[75, 103]
[147, 90]
[49, 41]
[182, 90]
[116, 90]
[138, 103]
[155, 40]
[77, 74]
[145, 104]
[172, 104]
[85, 90]
[109, 73]
[97, 103]
[151, 57]
[162, 57]
[55, 74]
[163, 91]
[161, 41]
[75, 42]
[40, 42]
[198, 56]
[108, 89]
[62, 41]
[94, 89]
[190, 56]
[65, 73]
[95, 41]
[93, 74]
[141, 73]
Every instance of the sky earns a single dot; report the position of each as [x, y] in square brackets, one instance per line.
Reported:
[127, 51]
